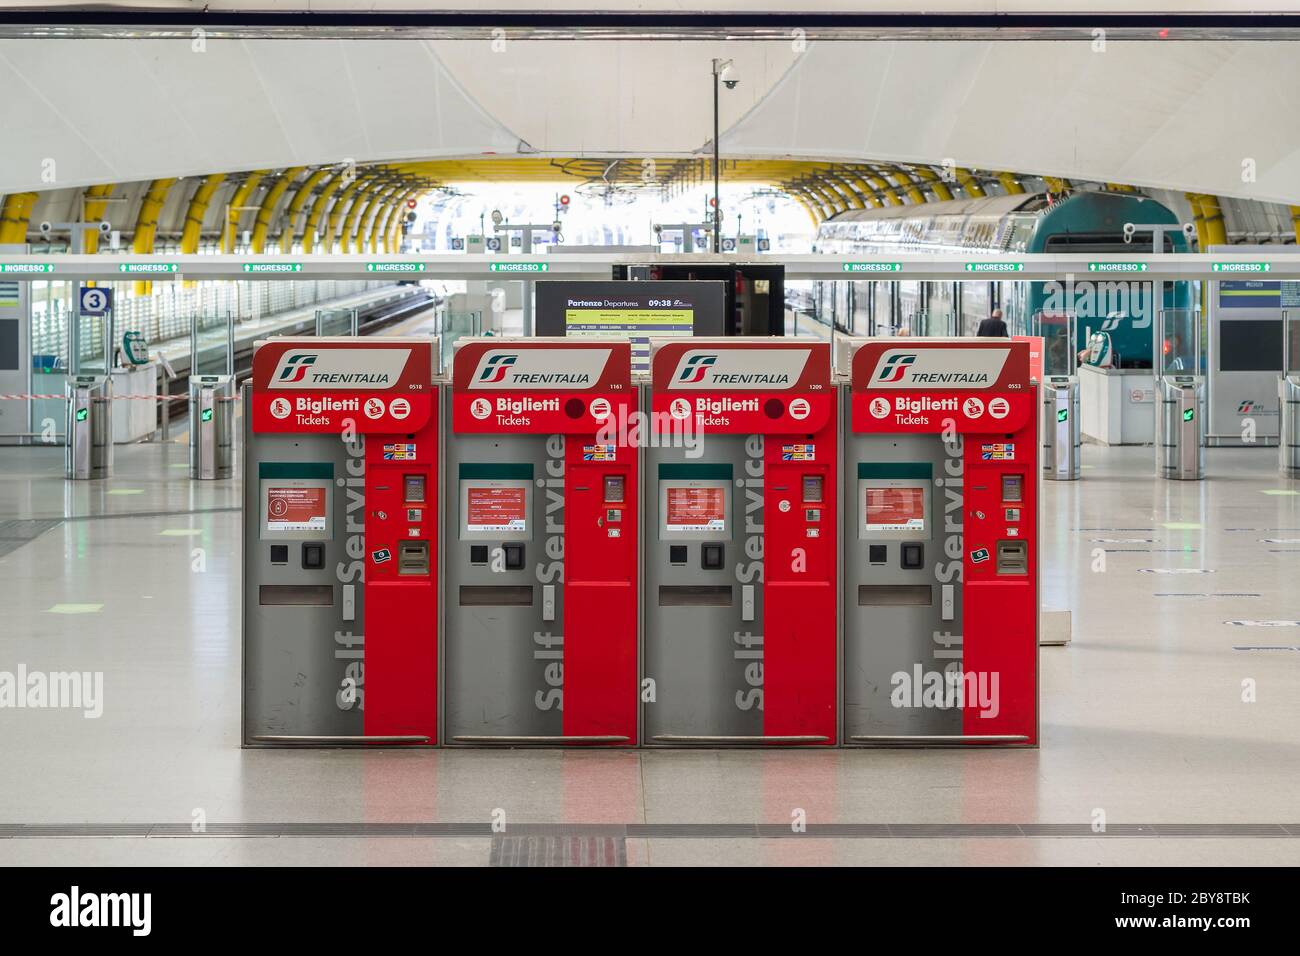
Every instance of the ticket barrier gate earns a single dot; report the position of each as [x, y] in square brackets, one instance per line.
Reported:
[89, 450]
[1180, 428]
[340, 543]
[739, 627]
[1062, 436]
[212, 426]
[1289, 440]
[540, 544]
[940, 541]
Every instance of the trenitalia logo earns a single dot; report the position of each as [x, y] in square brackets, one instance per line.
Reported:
[376, 368]
[694, 368]
[540, 368]
[893, 370]
[938, 368]
[495, 368]
[758, 369]
[295, 367]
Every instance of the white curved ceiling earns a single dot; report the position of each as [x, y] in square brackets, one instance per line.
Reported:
[1198, 116]
[1178, 115]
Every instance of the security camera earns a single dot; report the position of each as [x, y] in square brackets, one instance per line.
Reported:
[46, 228]
[105, 226]
[556, 226]
[658, 228]
[729, 78]
[1189, 230]
[1129, 230]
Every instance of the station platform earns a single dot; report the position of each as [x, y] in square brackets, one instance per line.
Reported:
[1142, 720]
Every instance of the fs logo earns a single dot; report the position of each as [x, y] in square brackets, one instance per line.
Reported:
[296, 366]
[496, 367]
[1246, 407]
[894, 369]
[695, 367]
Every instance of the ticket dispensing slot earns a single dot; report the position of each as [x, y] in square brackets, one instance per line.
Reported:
[1013, 557]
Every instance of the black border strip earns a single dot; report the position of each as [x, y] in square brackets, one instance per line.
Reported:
[621, 20]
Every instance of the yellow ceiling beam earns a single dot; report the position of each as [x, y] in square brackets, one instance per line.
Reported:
[1010, 183]
[270, 202]
[294, 209]
[15, 214]
[146, 224]
[966, 179]
[932, 179]
[234, 210]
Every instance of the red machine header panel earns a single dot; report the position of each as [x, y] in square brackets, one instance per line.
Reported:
[777, 388]
[319, 385]
[916, 386]
[543, 387]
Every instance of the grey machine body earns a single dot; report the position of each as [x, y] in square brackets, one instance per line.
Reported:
[703, 598]
[894, 601]
[303, 614]
[503, 590]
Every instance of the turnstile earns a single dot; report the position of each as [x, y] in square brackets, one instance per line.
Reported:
[89, 449]
[212, 442]
[1289, 429]
[1060, 428]
[1180, 428]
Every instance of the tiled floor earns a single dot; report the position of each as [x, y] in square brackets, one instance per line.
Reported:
[1143, 718]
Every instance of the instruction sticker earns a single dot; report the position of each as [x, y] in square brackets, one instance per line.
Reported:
[800, 452]
[380, 556]
[998, 451]
[979, 555]
[599, 453]
[399, 451]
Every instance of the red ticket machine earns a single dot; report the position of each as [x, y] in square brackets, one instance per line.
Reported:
[940, 479]
[540, 544]
[739, 545]
[340, 543]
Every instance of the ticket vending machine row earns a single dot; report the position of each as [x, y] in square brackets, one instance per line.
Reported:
[940, 542]
[340, 540]
[540, 544]
[739, 629]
